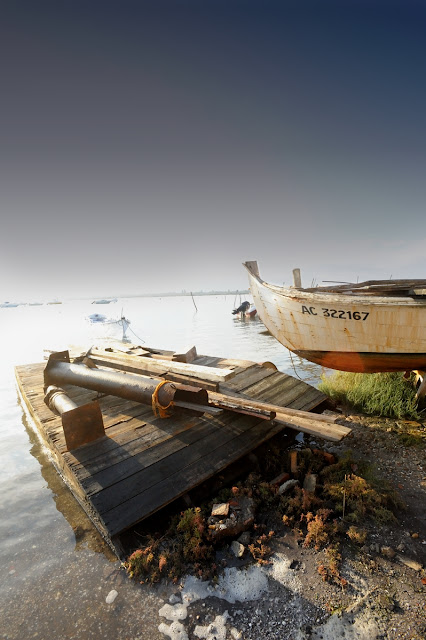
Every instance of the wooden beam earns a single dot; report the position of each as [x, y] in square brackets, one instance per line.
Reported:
[304, 421]
[154, 365]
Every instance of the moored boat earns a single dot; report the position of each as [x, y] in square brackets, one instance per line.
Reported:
[109, 324]
[245, 310]
[373, 326]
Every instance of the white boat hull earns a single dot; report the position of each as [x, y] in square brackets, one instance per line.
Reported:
[339, 331]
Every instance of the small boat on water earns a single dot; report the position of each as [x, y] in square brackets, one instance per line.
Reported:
[245, 310]
[373, 326]
[104, 301]
[109, 324]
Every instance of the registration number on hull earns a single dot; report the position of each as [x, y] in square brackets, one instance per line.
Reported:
[336, 313]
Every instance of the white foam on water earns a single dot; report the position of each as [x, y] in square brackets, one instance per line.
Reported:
[174, 612]
[234, 585]
[175, 631]
[279, 570]
[216, 630]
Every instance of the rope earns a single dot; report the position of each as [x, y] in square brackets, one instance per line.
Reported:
[158, 409]
[294, 368]
[143, 341]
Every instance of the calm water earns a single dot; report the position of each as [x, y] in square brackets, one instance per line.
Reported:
[56, 571]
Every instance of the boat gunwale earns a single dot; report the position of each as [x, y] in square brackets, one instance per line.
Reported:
[345, 298]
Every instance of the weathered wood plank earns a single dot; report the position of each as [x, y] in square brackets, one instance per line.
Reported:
[207, 433]
[104, 470]
[173, 485]
[245, 379]
[153, 365]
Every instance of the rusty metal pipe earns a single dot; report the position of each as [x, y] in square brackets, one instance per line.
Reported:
[124, 385]
[58, 401]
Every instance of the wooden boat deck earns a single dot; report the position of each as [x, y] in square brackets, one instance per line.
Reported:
[144, 462]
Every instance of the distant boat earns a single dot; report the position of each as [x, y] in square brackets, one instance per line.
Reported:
[246, 309]
[104, 301]
[109, 324]
[372, 326]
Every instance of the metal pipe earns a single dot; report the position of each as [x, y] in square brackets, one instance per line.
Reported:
[58, 401]
[124, 385]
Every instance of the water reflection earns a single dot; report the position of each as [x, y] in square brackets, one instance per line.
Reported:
[85, 534]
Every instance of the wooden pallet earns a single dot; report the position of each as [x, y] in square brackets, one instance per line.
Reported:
[144, 462]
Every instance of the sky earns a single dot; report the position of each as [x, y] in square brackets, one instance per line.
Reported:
[156, 146]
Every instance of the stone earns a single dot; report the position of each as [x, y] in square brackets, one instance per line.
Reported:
[240, 519]
[288, 486]
[111, 596]
[244, 538]
[221, 509]
[237, 549]
[388, 552]
[310, 482]
[412, 564]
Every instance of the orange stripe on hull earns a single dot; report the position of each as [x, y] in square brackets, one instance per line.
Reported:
[366, 362]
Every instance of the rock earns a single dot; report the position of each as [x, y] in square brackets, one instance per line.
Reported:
[111, 596]
[237, 549]
[388, 552]
[221, 509]
[412, 564]
[310, 482]
[174, 598]
[244, 538]
[287, 486]
[241, 518]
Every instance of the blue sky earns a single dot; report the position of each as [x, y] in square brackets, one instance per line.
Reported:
[155, 146]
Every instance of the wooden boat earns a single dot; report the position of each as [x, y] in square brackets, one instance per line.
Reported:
[245, 310]
[109, 324]
[378, 325]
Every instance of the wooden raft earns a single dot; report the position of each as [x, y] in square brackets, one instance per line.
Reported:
[144, 462]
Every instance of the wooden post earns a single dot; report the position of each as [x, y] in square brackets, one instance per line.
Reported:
[293, 462]
[297, 280]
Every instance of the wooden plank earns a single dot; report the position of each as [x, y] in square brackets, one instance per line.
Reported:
[170, 456]
[107, 482]
[187, 356]
[153, 365]
[137, 428]
[243, 380]
[194, 472]
[244, 400]
[308, 400]
[273, 386]
[103, 469]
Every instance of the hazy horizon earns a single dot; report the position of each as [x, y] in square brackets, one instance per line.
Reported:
[156, 146]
